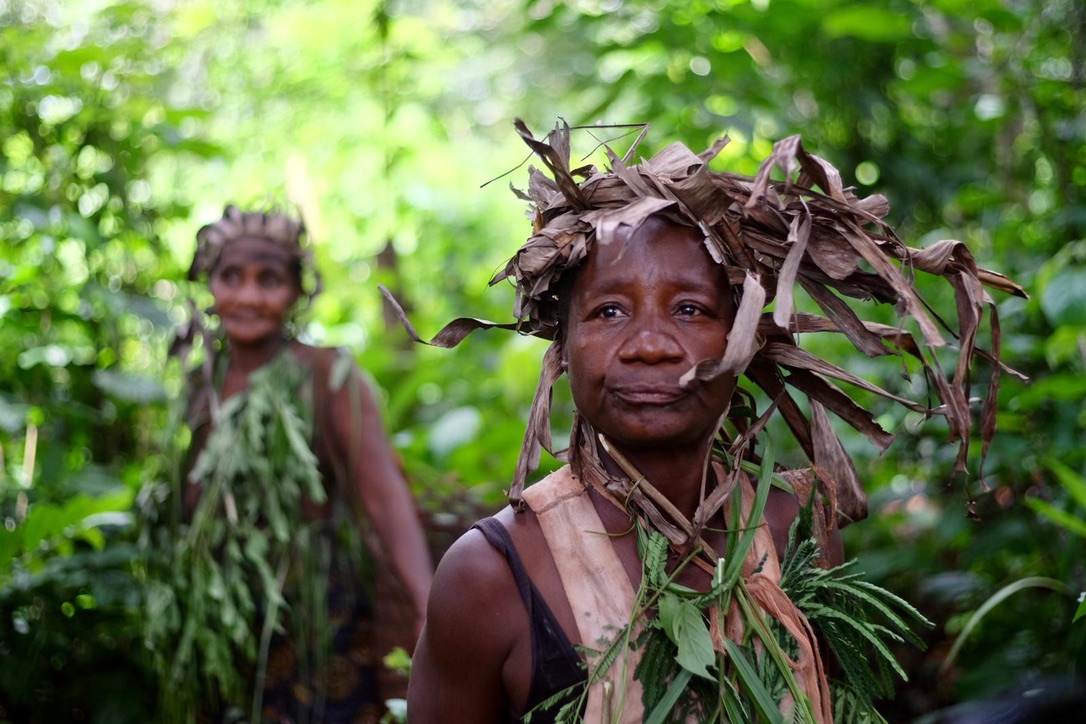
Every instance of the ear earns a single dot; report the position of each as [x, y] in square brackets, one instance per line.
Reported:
[563, 356]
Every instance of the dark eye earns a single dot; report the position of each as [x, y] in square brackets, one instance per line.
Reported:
[229, 275]
[688, 309]
[271, 280]
[609, 311]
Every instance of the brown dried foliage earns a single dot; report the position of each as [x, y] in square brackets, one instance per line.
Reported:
[771, 234]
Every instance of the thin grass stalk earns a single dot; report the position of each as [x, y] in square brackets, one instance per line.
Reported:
[270, 620]
[993, 601]
[774, 651]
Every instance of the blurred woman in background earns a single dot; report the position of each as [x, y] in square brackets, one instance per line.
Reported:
[291, 503]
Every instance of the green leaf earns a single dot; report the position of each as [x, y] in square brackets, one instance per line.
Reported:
[1063, 300]
[11, 545]
[874, 635]
[868, 593]
[216, 588]
[867, 23]
[1062, 518]
[737, 553]
[686, 627]
[1072, 482]
[668, 611]
[674, 691]
[397, 659]
[752, 683]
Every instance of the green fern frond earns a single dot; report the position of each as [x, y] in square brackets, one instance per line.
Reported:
[849, 707]
[653, 547]
[856, 619]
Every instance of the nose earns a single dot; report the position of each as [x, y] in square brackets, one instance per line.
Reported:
[650, 341]
[248, 293]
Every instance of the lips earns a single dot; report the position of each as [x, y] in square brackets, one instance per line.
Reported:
[643, 394]
[244, 316]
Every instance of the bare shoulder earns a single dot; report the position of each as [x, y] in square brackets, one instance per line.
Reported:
[340, 386]
[471, 559]
[474, 624]
[331, 364]
[474, 582]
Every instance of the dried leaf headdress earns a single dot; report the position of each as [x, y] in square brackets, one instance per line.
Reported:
[770, 235]
[275, 226]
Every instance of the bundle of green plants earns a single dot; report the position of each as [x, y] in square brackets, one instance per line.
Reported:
[689, 673]
[246, 567]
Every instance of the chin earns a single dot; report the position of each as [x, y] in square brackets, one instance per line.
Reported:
[656, 438]
[248, 340]
[248, 333]
[654, 432]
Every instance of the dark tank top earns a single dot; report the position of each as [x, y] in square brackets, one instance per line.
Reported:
[556, 665]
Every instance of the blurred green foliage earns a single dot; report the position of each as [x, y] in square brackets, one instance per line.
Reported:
[82, 289]
[126, 125]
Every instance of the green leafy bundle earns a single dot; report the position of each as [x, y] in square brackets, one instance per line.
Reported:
[226, 581]
[684, 678]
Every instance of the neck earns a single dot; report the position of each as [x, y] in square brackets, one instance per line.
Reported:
[246, 358]
[677, 472]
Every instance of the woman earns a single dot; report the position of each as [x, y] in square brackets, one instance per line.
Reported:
[669, 572]
[292, 499]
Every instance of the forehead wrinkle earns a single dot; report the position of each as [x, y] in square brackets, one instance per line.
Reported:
[675, 281]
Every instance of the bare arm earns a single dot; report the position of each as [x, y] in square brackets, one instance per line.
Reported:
[381, 489]
[465, 664]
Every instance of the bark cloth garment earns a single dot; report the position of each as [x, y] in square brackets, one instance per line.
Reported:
[601, 596]
[356, 684]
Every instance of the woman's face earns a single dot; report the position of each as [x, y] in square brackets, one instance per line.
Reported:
[644, 310]
[254, 288]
